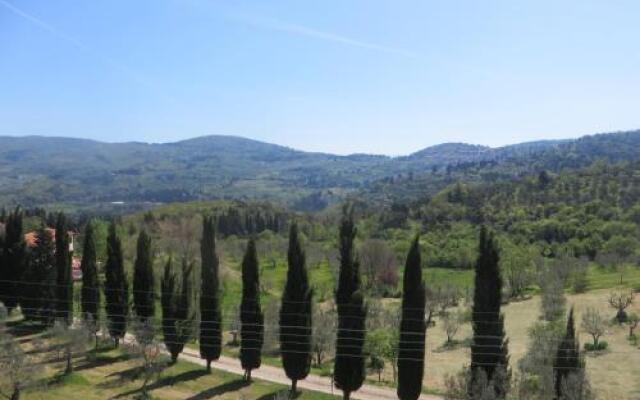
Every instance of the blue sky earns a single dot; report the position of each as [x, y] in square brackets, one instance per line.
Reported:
[379, 76]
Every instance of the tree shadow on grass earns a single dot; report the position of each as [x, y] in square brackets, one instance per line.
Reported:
[280, 394]
[220, 390]
[98, 362]
[21, 328]
[167, 381]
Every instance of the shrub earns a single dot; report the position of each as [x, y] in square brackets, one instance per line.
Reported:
[602, 345]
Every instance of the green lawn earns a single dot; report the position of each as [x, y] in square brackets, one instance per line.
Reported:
[603, 278]
[111, 375]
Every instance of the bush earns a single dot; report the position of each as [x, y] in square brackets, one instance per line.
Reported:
[602, 345]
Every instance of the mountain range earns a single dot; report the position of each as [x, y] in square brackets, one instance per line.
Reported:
[54, 171]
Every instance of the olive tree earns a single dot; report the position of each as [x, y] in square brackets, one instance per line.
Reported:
[594, 324]
[323, 334]
[620, 301]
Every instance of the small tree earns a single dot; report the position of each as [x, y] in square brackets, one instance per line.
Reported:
[439, 298]
[72, 340]
[324, 332]
[391, 317]
[234, 328]
[451, 323]
[377, 347]
[18, 370]
[620, 301]
[553, 301]
[536, 367]
[379, 264]
[576, 387]
[518, 270]
[148, 350]
[633, 320]
[594, 324]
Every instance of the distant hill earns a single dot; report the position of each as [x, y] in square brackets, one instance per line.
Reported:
[55, 171]
[513, 162]
[450, 151]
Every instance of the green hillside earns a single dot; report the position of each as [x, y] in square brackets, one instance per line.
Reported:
[63, 172]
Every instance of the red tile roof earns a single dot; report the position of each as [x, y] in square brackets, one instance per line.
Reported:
[30, 238]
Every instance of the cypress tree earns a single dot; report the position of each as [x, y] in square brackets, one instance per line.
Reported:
[38, 294]
[116, 287]
[210, 314]
[90, 294]
[12, 261]
[251, 317]
[143, 282]
[177, 308]
[349, 369]
[568, 361]
[411, 348]
[64, 280]
[489, 353]
[295, 314]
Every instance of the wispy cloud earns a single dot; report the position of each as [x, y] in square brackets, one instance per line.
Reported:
[108, 61]
[300, 30]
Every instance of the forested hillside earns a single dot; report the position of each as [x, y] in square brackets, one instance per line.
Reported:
[45, 171]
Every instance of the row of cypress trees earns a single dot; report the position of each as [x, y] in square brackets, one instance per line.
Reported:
[295, 312]
[489, 349]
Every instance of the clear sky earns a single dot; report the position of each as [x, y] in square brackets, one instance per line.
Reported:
[380, 76]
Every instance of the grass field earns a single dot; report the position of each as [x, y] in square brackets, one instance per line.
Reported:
[613, 373]
[111, 375]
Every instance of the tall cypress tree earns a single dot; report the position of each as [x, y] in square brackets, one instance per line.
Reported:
[12, 261]
[64, 280]
[251, 317]
[143, 282]
[411, 348]
[568, 361]
[177, 308]
[210, 314]
[116, 287]
[489, 352]
[349, 369]
[38, 294]
[90, 294]
[295, 314]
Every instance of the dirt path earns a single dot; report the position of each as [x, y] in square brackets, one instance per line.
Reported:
[313, 382]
